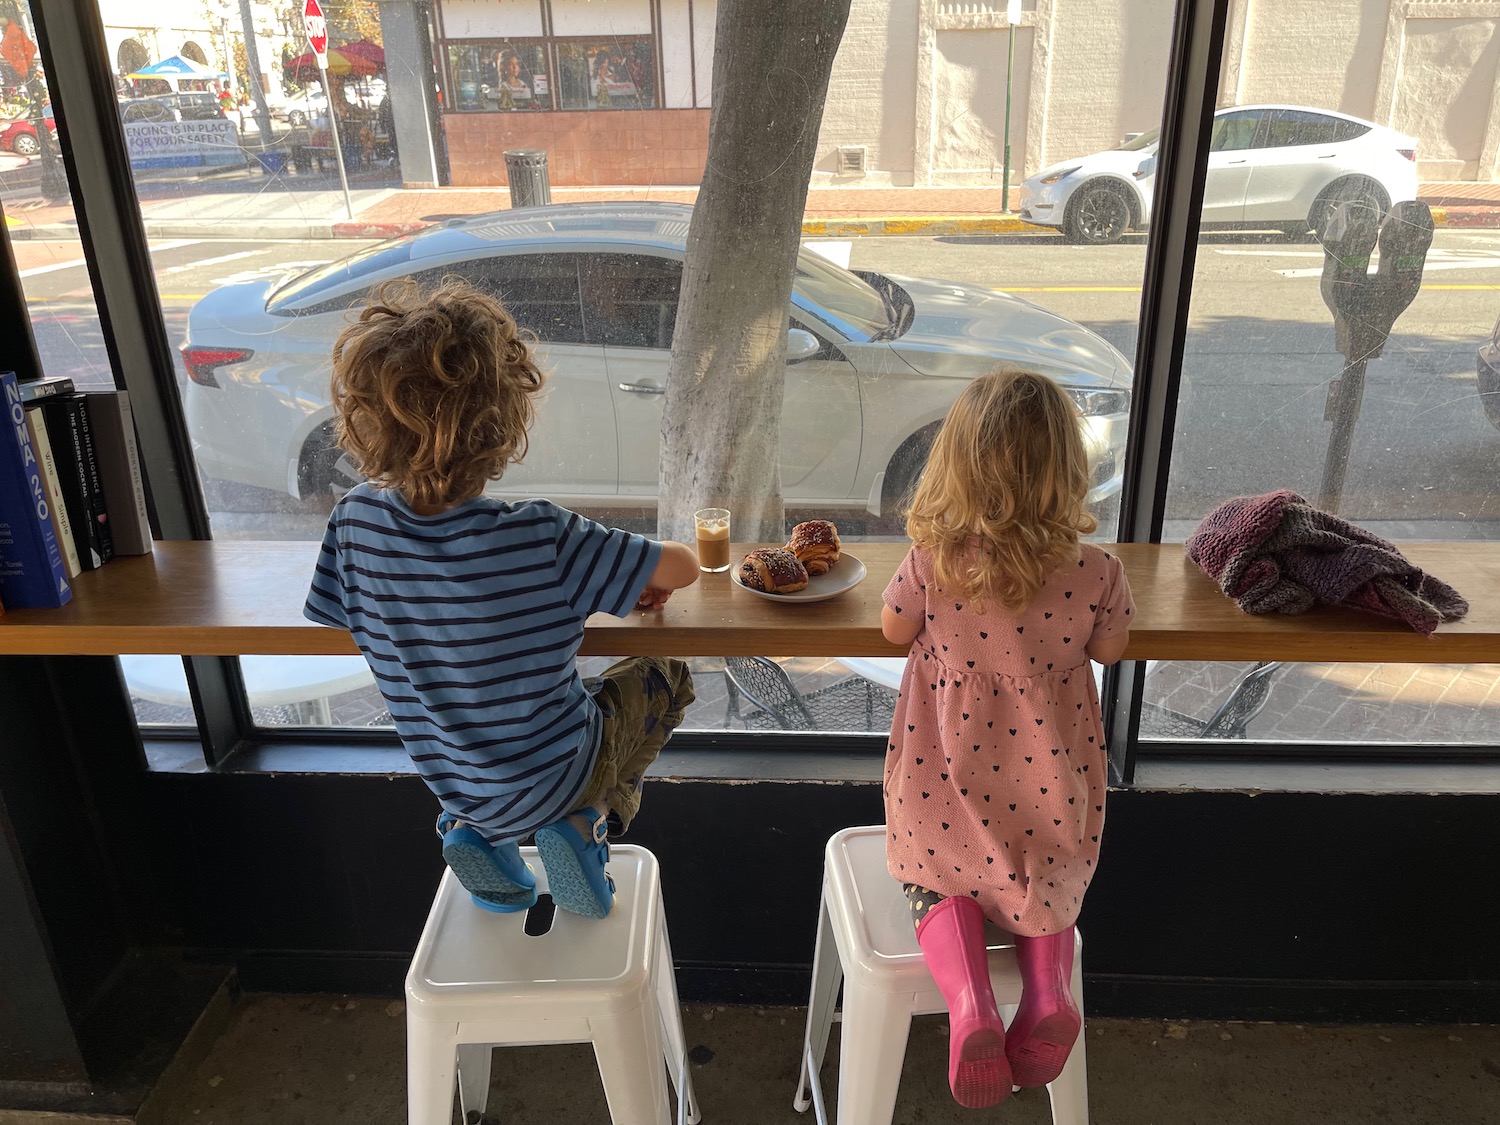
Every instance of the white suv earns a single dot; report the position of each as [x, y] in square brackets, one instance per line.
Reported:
[1268, 166]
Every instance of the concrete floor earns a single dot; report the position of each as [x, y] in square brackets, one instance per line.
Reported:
[331, 1060]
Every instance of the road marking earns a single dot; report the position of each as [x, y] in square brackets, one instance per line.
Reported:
[211, 261]
[37, 271]
[1069, 289]
[1273, 253]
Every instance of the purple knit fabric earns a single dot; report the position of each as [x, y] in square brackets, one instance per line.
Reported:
[1278, 554]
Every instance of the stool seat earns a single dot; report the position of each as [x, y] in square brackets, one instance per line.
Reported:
[866, 942]
[479, 980]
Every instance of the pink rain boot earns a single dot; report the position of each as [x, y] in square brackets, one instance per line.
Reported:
[951, 935]
[1047, 1022]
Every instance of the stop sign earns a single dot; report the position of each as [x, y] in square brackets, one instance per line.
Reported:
[317, 30]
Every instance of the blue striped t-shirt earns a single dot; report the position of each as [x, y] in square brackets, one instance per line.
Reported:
[471, 620]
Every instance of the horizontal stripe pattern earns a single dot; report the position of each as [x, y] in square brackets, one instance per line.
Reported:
[471, 621]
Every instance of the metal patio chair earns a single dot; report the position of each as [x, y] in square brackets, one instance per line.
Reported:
[851, 704]
[1246, 701]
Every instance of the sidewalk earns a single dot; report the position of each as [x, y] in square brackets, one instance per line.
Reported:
[296, 207]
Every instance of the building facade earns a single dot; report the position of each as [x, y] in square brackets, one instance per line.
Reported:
[618, 91]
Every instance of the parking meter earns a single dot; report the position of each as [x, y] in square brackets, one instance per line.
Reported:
[1348, 238]
[1405, 238]
[1365, 307]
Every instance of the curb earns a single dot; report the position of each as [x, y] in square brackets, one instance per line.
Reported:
[1471, 218]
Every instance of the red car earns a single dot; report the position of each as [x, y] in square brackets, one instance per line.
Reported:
[19, 136]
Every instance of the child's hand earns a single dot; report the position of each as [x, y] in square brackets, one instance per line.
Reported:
[652, 598]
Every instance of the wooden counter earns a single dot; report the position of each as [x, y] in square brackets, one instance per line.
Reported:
[231, 597]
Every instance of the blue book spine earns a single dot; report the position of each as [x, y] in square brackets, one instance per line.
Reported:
[32, 574]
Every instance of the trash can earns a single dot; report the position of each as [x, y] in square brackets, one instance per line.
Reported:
[526, 170]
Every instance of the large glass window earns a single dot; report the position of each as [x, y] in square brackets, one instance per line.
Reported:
[1310, 217]
[499, 76]
[260, 253]
[606, 74]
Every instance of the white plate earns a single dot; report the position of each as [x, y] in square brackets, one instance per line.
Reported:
[845, 574]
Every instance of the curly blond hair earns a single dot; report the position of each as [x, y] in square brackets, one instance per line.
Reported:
[433, 392]
[1001, 503]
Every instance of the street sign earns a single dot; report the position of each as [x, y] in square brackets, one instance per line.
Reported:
[317, 31]
[17, 49]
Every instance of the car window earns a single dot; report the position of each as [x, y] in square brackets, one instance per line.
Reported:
[361, 264]
[148, 109]
[847, 300]
[1234, 131]
[630, 300]
[1140, 141]
[1286, 127]
[540, 290]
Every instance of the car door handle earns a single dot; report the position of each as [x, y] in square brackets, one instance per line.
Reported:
[1241, 161]
[643, 388]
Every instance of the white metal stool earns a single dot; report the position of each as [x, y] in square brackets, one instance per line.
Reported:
[866, 940]
[479, 981]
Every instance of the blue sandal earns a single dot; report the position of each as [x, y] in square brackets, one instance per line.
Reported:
[575, 866]
[495, 876]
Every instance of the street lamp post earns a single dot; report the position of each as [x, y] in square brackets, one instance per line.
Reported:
[234, 82]
[1012, 18]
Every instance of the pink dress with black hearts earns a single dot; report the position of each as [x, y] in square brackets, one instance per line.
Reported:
[996, 772]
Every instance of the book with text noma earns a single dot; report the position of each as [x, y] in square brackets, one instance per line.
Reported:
[32, 572]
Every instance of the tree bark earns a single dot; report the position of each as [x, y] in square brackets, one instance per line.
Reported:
[721, 418]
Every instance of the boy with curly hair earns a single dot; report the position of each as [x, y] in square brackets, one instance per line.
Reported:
[470, 610]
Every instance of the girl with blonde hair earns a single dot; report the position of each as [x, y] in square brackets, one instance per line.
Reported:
[996, 771]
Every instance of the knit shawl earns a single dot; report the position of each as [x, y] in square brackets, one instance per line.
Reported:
[1278, 554]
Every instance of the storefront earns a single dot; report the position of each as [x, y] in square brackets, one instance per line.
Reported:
[615, 93]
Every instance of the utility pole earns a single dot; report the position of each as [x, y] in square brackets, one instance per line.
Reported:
[252, 66]
[1012, 18]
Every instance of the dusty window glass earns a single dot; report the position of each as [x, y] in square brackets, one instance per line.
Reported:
[920, 265]
[1341, 347]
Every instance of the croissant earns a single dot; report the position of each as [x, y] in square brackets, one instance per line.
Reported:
[816, 545]
[773, 570]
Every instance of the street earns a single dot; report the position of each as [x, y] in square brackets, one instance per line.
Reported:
[1260, 353]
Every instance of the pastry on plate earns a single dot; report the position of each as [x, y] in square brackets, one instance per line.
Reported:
[773, 570]
[816, 545]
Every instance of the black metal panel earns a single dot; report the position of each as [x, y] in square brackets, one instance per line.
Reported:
[1199, 895]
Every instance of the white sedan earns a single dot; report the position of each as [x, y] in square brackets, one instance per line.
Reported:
[1268, 166]
[873, 362]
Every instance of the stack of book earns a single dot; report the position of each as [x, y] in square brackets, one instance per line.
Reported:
[71, 492]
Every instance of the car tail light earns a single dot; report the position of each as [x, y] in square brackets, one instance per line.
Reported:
[1409, 153]
[202, 362]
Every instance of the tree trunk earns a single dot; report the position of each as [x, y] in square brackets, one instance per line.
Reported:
[721, 418]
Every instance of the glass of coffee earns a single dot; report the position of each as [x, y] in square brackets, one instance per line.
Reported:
[712, 527]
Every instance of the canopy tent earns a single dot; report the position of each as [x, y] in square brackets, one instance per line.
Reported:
[359, 59]
[364, 49]
[177, 69]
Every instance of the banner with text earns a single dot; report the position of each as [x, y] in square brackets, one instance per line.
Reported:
[182, 144]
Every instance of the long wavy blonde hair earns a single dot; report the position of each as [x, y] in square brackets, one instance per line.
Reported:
[433, 392]
[1008, 470]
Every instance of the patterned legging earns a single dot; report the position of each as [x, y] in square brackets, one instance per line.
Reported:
[922, 900]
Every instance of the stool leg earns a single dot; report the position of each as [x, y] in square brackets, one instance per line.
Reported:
[827, 974]
[872, 1047]
[430, 1068]
[674, 1040]
[474, 1077]
[628, 1048]
[1070, 1092]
